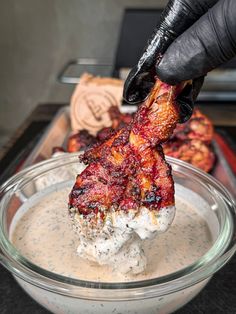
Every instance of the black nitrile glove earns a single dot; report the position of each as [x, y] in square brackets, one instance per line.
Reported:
[199, 39]
[207, 44]
[178, 16]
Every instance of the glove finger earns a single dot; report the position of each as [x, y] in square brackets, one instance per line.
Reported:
[186, 99]
[176, 18]
[138, 85]
[208, 43]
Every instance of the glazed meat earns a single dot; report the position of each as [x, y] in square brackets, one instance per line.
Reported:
[104, 134]
[126, 192]
[129, 170]
[195, 152]
[80, 141]
[197, 127]
[191, 142]
[119, 119]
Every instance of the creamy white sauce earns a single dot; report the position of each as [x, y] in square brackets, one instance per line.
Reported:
[43, 233]
[120, 237]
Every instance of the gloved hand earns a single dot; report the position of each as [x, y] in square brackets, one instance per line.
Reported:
[208, 43]
[206, 37]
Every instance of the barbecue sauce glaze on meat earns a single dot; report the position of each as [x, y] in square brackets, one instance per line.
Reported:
[129, 170]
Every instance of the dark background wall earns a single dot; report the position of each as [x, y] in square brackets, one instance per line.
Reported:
[38, 36]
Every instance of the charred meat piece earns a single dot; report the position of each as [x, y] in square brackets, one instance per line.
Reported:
[197, 127]
[194, 151]
[104, 134]
[128, 170]
[80, 141]
[191, 141]
[119, 119]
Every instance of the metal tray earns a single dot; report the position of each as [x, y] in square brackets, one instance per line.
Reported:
[57, 133]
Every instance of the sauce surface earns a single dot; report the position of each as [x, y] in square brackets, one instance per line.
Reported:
[44, 235]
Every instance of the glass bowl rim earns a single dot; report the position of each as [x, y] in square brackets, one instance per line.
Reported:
[38, 276]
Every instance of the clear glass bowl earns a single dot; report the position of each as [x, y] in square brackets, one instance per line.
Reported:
[165, 294]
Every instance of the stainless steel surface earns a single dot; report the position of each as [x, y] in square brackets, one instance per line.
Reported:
[55, 135]
[219, 84]
[217, 96]
[59, 129]
[73, 69]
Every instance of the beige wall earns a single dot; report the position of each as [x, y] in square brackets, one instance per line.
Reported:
[38, 36]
